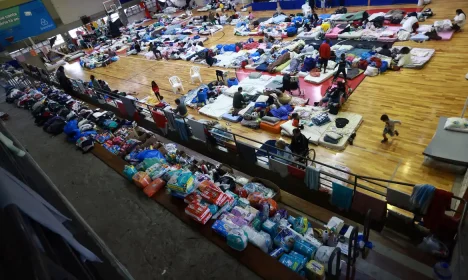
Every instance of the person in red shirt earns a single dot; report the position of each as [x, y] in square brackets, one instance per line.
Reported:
[155, 89]
[295, 121]
[325, 54]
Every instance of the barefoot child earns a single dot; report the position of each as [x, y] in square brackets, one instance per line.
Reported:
[389, 127]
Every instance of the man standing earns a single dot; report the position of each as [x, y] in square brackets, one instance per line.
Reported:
[325, 54]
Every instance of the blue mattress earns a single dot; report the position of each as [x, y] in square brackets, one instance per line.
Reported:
[231, 118]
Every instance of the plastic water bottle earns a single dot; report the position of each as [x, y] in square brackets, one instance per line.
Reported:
[442, 271]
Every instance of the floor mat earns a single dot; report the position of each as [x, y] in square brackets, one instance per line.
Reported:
[408, 10]
[262, 19]
[312, 92]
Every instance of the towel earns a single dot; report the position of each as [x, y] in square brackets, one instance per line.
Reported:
[362, 203]
[182, 129]
[198, 129]
[399, 199]
[421, 197]
[246, 152]
[296, 172]
[279, 167]
[436, 210]
[341, 196]
[312, 178]
[170, 119]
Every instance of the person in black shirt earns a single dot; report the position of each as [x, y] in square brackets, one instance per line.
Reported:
[137, 47]
[385, 51]
[237, 101]
[299, 143]
[341, 67]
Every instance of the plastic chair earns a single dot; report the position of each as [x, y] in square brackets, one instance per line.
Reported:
[306, 10]
[195, 73]
[176, 84]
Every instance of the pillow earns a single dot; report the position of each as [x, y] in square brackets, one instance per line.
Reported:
[255, 75]
[271, 120]
[262, 98]
[335, 136]
[457, 124]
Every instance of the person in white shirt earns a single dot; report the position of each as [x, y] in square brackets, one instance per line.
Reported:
[459, 20]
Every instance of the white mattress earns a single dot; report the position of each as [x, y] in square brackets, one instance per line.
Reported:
[419, 57]
[320, 79]
[250, 86]
[351, 35]
[221, 106]
[287, 70]
[354, 122]
[311, 35]
[313, 133]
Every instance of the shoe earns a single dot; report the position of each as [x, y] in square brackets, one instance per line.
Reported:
[384, 140]
[396, 133]
[307, 102]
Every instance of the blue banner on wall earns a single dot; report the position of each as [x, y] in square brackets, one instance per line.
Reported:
[23, 21]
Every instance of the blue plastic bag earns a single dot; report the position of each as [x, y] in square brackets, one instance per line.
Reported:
[149, 154]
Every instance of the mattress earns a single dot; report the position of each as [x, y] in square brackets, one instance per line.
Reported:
[313, 133]
[320, 79]
[287, 70]
[351, 16]
[280, 67]
[351, 35]
[333, 33]
[352, 73]
[221, 106]
[226, 59]
[354, 122]
[419, 57]
[448, 146]
[446, 35]
[313, 34]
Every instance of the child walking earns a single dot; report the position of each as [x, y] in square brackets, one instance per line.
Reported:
[389, 127]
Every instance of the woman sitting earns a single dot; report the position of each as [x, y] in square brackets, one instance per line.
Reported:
[459, 20]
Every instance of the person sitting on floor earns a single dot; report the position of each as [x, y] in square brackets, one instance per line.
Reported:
[334, 96]
[299, 143]
[385, 51]
[238, 102]
[181, 109]
[459, 20]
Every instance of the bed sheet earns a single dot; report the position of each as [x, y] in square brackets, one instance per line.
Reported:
[287, 70]
[313, 133]
[354, 122]
[351, 35]
[320, 79]
[221, 106]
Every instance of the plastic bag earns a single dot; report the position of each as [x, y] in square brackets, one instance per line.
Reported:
[237, 239]
[149, 154]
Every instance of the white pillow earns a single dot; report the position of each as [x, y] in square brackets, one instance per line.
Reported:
[334, 135]
[262, 98]
[457, 124]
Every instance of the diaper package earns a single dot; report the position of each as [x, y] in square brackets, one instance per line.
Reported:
[237, 239]
[223, 228]
[141, 179]
[285, 239]
[291, 262]
[154, 187]
[270, 227]
[229, 217]
[129, 171]
[243, 213]
[300, 258]
[304, 248]
[260, 239]
[198, 212]
[182, 182]
[315, 270]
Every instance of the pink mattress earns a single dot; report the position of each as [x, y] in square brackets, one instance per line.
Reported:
[333, 34]
[446, 35]
[390, 39]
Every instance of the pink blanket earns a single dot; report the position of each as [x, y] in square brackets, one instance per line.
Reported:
[446, 35]
[333, 34]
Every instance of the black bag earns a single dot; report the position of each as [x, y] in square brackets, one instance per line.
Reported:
[333, 109]
[56, 127]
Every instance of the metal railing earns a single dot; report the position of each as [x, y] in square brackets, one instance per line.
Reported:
[229, 139]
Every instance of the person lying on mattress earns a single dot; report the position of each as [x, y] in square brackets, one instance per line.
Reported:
[299, 143]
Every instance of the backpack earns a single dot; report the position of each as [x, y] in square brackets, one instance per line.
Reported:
[54, 126]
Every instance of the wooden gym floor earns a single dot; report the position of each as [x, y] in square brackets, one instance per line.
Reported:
[416, 97]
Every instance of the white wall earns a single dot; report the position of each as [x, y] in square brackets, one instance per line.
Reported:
[71, 10]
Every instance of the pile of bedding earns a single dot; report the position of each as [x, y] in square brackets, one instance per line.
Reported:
[419, 57]
[337, 138]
